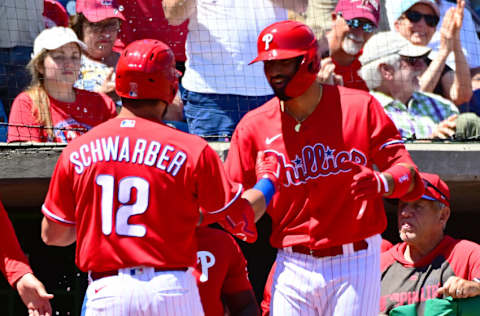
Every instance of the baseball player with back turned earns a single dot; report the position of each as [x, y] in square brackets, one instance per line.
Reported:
[328, 214]
[132, 191]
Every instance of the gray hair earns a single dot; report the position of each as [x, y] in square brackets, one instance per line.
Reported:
[371, 74]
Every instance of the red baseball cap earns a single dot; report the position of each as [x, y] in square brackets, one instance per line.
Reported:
[435, 188]
[351, 9]
[99, 10]
[54, 10]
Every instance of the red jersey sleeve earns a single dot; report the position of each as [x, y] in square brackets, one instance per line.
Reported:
[236, 279]
[13, 263]
[215, 191]
[59, 205]
[21, 114]
[386, 147]
[240, 164]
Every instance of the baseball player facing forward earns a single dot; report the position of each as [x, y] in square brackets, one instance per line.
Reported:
[132, 191]
[328, 214]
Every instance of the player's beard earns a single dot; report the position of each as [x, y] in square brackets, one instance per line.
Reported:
[352, 44]
[280, 91]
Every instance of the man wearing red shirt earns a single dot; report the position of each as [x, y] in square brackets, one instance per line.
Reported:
[353, 23]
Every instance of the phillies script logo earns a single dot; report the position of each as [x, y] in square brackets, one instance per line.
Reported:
[317, 161]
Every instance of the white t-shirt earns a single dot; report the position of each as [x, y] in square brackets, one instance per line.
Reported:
[222, 40]
[20, 22]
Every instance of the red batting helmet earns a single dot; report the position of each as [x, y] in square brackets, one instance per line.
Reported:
[146, 70]
[289, 39]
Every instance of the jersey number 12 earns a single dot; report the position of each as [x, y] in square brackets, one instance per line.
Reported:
[123, 213]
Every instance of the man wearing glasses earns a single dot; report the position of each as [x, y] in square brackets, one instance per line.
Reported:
[391, 67]
[428, 264]
[353, 23]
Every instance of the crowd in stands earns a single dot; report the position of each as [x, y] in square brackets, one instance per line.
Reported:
[213, 44]
[419, 58]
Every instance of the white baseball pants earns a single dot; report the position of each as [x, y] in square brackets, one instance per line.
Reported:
[344, 285]
[144, 292]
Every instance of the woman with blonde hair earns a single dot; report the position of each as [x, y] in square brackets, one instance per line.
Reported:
[51, 109]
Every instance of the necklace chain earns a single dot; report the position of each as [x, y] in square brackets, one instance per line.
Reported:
[299, 122]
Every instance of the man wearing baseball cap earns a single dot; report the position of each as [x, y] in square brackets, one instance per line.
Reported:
[391, 67]
[427, 264]
[353, 23]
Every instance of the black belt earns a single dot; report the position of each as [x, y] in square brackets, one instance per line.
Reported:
[328, 252]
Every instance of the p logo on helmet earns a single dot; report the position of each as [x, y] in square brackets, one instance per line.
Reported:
[267, 38]
[290, 39]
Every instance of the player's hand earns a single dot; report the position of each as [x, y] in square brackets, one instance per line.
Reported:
[34, 295]
[241, 225]
[459, 288]
[446, 128]
[367, 183]
[268, 166]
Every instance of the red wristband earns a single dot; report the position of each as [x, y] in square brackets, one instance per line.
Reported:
[401, 179]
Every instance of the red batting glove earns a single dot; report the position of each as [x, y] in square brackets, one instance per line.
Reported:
[367, 183]
[268, 166]
[241, 225]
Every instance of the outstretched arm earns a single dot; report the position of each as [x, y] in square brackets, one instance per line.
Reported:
[34, 295]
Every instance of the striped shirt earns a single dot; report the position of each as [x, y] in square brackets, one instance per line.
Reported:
[421, 115]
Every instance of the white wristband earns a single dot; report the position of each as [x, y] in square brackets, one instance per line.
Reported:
[385, 182]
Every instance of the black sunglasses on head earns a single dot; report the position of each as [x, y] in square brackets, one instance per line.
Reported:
[414, 17]
[428, 184]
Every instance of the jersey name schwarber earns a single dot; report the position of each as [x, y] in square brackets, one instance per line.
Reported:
[145, 152]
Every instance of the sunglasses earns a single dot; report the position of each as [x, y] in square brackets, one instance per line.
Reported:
[430, 185]
[367, 27]
[413, 61]
[414, 17]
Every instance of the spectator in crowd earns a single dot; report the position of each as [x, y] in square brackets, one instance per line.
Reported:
[416, 20]
[391, 68]
[15, 267]
[222, 276]
[319, 15]
[352, 25]
[219, 85]
[428, 263]
[20, 22]
[51, 109]
[97, 23]
[54, 14]
[468, 34]
[146, 19]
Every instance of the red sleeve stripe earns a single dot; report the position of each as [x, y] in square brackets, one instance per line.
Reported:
[237, 195]
[392, 142]
[48, 213]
